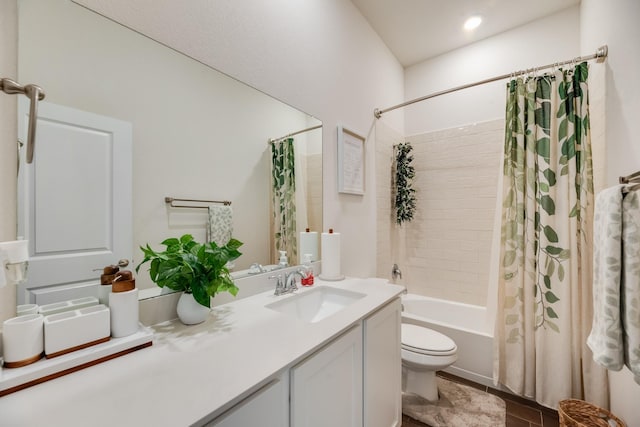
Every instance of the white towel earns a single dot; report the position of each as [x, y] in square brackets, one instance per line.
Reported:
[220, 224]
[606, 337]
[631, 281]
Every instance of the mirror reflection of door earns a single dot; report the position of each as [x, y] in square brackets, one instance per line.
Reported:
[74, 201]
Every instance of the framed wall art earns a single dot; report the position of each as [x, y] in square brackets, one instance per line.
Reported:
[350, 162]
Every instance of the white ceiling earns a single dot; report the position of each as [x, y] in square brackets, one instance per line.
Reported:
[415, 30]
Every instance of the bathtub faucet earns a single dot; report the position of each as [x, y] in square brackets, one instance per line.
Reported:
[395, 272]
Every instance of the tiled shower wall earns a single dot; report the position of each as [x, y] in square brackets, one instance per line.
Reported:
[445, 252]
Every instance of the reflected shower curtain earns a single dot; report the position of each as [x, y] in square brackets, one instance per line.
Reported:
[283, 179]
[545, 281]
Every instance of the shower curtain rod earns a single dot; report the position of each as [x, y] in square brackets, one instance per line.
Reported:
[293, 133]
[600, 55]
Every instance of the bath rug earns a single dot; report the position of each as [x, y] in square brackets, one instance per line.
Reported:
[459, 406]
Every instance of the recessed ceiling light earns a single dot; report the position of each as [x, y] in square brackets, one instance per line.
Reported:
[472, 23]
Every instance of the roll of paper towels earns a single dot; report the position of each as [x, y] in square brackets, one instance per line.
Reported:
[308, 245]
[331, 256]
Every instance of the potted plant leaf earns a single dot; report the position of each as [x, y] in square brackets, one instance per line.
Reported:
[199, 270]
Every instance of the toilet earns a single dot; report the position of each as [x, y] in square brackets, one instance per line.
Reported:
[424, 351]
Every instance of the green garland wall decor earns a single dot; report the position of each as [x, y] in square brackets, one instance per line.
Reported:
[405, 202]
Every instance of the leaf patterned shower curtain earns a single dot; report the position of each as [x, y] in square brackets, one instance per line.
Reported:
[283, 179]
[545, 281]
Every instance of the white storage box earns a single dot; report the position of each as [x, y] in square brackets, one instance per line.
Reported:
[61, 307]
[73, 330]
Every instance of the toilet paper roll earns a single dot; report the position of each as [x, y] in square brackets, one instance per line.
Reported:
[331, 257]
[308, 245]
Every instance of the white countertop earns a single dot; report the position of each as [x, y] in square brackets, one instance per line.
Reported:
[191, 372]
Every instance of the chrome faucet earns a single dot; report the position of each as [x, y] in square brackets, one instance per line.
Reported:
[286, 282]
[395, 272]
[290, 283]
[257, 268]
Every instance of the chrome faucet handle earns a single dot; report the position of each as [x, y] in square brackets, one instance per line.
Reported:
[291, 285]
[280, 287]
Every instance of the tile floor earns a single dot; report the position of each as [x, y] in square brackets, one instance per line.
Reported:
[520, 412]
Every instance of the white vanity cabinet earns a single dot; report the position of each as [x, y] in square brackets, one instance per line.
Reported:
[355, 380]
[342, 371]
[326, 388]
[267, 407]
[383, 367]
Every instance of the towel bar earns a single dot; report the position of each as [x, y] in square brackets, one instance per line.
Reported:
[630, 179]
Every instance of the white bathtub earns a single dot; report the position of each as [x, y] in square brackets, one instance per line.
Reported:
[468, 325]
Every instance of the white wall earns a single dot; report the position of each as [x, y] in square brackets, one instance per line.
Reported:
[541, 42]
[320, 56]
[616, 24]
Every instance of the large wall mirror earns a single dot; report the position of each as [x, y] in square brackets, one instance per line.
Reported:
[196, 132]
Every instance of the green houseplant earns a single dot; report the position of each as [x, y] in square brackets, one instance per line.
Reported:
[194, 268]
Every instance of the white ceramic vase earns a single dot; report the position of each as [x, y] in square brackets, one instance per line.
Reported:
[190, 312]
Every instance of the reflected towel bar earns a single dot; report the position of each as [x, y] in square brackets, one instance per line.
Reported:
[170, 201]
[634, 178]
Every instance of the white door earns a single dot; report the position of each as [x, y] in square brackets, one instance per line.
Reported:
[74, 201]
[326, 388]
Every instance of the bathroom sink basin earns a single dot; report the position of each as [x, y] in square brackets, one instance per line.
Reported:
[315, 304]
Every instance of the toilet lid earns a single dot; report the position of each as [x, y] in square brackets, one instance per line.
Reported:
[425, 341]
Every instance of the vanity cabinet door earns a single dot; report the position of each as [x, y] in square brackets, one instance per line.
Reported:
[268, 407]
[383, 367]
[326, 388]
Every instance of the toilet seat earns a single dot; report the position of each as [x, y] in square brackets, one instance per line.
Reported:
[418, 339]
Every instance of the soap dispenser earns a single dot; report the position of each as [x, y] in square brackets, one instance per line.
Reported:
[284, 262]
[123, 303]
[307, 269]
